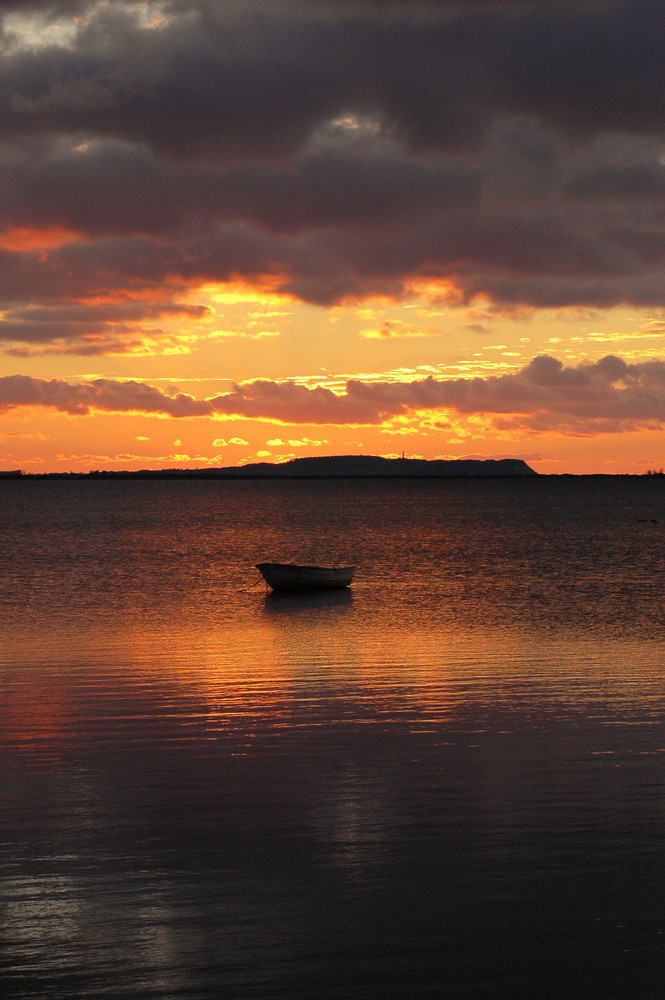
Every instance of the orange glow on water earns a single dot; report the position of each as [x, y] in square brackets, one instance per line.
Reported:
[37, 728]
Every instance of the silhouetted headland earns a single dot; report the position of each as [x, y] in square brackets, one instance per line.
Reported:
[374, 465]
[340, 466]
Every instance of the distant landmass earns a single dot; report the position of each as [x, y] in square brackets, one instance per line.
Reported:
[374, 465]
[315, 468]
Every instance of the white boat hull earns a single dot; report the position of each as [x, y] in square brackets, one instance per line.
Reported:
[287, 576]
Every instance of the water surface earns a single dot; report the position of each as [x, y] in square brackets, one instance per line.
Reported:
[446, 781]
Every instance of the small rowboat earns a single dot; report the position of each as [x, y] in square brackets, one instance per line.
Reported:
[287, 576]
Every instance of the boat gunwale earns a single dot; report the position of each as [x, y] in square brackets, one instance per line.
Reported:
[294, 576]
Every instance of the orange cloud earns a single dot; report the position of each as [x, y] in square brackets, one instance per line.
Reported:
[609, 396]
[24, 238]
[394, 329]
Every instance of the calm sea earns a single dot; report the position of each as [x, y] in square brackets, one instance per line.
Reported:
[448, 781]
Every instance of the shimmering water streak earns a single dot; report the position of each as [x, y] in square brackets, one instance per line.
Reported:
[448, 781]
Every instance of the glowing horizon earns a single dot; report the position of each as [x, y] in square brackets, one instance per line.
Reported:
[197, 272]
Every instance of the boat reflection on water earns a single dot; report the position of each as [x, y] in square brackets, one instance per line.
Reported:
[294, 601]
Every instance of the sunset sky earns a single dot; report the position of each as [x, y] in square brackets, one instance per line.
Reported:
[248, 231]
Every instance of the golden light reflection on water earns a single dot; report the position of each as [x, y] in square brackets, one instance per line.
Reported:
[247, 803]
[458, 762]
[301, 662]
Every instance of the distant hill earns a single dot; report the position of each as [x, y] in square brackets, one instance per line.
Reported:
[352, 465]
[316, 468]
[374, 465]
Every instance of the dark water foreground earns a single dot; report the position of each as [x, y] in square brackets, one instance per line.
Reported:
[446, 782]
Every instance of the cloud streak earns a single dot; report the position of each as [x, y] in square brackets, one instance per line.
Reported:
[101, 395]
[608, 396]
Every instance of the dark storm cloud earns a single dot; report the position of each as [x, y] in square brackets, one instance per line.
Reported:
[514, 149]
[109, 187]
[220, 83]
[641, 181]
[48, 7]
